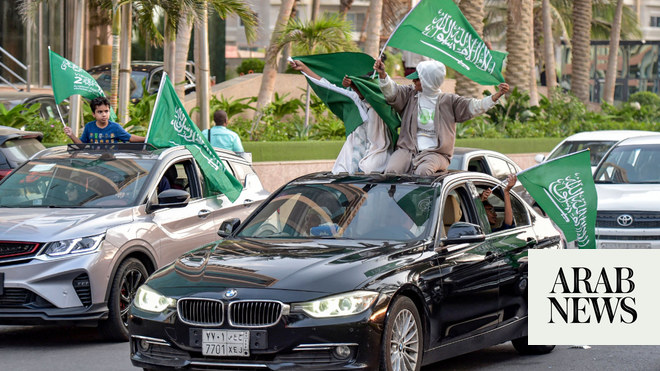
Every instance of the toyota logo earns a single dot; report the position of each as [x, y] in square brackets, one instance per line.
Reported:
[624, 220]
[230, 293]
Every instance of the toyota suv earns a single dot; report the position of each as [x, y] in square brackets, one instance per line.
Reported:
[628, 185]
[83, 226]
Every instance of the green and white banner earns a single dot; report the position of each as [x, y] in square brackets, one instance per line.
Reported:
[565, 190]
[171, 126]
[68, 79]
[438, 30]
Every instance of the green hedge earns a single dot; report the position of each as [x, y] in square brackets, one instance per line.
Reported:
[328, 150]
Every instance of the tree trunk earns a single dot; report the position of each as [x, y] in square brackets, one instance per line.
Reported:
[125, 64]
[270, 68]
[533, 90]
[169, 48]
[518, 43]
[344, 7]
[316, 9]
[372, 43]
[474, 12]
[548, 48]
[615, 36]
[183, 34]
[202, 72]
[581, 49]
[78, 37]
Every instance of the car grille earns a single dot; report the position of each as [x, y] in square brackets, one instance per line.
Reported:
[200, 311]
[13, 249]
[254, 313]
[608, 219]
[19, 298]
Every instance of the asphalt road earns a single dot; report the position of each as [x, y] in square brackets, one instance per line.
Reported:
[71, 348]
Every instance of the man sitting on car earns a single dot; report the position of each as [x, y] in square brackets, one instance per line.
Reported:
[102, 130]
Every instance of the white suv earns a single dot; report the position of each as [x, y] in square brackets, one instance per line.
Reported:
[628, 185]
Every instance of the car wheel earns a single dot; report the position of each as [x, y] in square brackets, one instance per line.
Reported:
[401, 347]
[522, 346]
[130, 275]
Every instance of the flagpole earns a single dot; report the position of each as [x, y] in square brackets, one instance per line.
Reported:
[50, 67]
[160, 90]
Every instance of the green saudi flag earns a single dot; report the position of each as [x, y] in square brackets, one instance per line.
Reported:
[565, 190]
[438, 30]
[171, 126]
[358, 67]
[68, 79]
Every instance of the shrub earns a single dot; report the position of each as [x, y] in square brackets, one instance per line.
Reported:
[250, 65]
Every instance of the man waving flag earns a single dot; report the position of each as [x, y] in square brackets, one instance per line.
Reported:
[171, 126]
[438, 30]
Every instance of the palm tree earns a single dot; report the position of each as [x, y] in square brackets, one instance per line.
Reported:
[372, 43]
[344, 7]
[518, 42]
[580, 51]
[474, 13]
[610, 74]
[548, 48]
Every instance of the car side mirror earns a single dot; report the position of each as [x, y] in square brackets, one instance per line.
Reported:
[228, 227]
[539, 158]
[170, 198]
[252, 182]
[461, 232]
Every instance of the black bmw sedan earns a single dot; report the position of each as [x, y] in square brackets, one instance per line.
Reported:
[347, 272]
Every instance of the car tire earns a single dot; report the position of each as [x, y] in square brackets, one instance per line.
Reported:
[403, 340]
[129, 276]
[522, 346]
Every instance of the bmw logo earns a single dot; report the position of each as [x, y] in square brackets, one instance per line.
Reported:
[231, 293]
[624, 220]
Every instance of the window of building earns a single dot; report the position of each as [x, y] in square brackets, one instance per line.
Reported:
[655, 21]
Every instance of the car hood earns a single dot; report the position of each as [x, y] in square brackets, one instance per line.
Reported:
[628, 197]
[45, 225]
[314, 267]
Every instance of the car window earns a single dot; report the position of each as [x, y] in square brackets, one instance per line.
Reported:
[477, 164]
[500, 169]
[630, 164]
[596, 148]
[17, 151]
[495, 204]
[456, 207]
[349, 211]
[154, 81]
[85, 182]
[241, 171]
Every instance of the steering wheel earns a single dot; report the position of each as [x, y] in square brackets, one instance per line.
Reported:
[266, 230]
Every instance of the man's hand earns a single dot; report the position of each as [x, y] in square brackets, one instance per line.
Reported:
[511, 181]
[502, 89]
[379, 66]
[485, 194]
[346, 82]
[297, 65]
[68, 131]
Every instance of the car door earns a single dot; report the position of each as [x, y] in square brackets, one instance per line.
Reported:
[509, 249]
[191, 226]
[251, 196]
[467, 281]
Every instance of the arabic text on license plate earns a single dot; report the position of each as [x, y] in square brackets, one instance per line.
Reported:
[234, 343]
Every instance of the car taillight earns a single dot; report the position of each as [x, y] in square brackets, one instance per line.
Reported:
[4, 172]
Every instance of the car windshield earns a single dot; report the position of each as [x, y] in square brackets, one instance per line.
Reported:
[630, 164]
[86, 182]
[17, 151]
[103, 78]
[345, 211]
[596, 148]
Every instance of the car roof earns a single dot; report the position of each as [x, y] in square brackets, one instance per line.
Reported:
[614, 135]
[7, 133]
[359, 178]
[635, 141]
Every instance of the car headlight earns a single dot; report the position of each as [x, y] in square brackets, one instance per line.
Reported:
[338, 305]
[150, 300]
[74, 246]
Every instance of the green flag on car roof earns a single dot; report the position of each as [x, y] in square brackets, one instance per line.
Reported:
[171, 126]
[358, 67]
[438, 30]
[68, 79]
[564, 188]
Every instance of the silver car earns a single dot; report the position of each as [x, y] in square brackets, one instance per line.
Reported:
[81, 228]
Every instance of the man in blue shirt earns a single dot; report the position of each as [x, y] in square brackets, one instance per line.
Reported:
[102, 130]
[221, 137]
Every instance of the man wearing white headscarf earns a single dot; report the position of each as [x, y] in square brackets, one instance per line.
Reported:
[428, 118]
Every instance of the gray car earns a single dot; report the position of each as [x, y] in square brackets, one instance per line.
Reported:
[81, 228]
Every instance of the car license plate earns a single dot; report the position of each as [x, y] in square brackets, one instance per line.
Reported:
[618, 245]
[227, 343]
